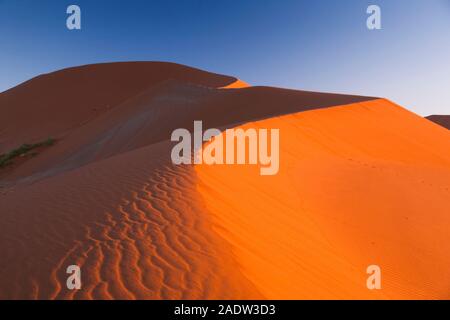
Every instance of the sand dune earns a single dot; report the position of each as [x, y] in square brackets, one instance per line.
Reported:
[134, 225]
[54, 103]
[361, 181]
[360, 184]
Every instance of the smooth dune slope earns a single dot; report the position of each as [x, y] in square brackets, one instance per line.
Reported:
[361, 184]
[54, 103]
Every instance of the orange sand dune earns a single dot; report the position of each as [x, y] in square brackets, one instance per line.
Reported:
[361, 181]
[362, 184]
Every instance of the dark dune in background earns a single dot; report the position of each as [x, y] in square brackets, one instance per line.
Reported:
[53, 103]
[441, 120]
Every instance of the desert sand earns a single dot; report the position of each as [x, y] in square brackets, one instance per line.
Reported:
[362, 181]
[361, 184]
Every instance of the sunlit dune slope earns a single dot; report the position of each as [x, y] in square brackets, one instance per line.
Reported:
[236, 85]
[359, 185]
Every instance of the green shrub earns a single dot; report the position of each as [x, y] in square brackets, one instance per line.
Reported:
[6, 159]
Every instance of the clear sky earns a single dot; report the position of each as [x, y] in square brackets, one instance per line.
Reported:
[321, 45]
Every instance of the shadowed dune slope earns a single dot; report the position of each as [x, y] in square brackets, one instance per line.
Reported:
[441, 120]
[362, 184]
[133, 223]
[53, 103]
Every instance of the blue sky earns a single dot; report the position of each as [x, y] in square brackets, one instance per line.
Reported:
[320, 45]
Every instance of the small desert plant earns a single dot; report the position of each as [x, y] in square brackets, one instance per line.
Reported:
[6, 159]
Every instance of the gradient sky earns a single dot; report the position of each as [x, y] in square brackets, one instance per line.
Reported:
[320, 45]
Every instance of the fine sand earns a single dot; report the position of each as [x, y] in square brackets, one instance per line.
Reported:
[361, 184]
[362, 181]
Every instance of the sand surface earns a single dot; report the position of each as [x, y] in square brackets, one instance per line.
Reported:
[360, 184]
[362, 181]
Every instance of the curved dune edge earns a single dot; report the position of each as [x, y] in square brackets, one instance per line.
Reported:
[361, 184]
